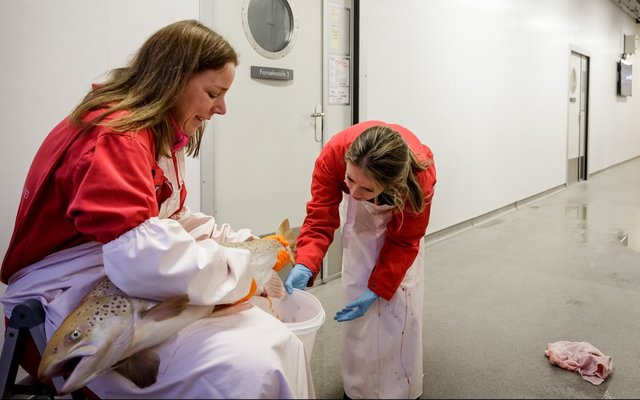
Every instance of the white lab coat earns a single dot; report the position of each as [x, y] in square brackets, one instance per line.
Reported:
[381, 354]
[249, 354]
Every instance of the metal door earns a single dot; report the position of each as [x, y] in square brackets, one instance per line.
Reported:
[577, 130]
[258, 159]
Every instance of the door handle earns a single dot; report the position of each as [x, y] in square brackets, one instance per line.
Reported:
[317, 119]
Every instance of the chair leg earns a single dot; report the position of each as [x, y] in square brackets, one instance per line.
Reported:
[9, 360]
[26, 319]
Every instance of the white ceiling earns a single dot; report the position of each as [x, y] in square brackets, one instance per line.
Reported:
[631, 7]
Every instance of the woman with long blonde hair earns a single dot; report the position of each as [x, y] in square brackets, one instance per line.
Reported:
[105, 196]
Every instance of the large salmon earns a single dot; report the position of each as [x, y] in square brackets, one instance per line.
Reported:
[110, 330]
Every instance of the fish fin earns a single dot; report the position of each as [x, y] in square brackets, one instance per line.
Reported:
[141, 368]
[169, 308]
[283, 227]
[274, 286]
[285, 230]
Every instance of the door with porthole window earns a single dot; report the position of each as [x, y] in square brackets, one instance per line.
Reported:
[293, 90]
[262, 152]
[577, 135]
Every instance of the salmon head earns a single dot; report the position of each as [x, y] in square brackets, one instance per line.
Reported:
[91, 339]
[112, 331]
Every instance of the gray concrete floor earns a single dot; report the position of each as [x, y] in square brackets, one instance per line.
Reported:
[562, 267]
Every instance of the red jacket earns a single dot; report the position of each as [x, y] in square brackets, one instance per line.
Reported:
[82, 187]
[404, 232]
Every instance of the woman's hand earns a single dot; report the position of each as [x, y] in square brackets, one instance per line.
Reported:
[356, 308]
[298, 278]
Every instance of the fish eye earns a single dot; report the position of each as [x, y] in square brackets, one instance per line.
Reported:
[75, 335]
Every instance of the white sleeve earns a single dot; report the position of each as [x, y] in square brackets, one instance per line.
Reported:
[202, 226]
[159, 259]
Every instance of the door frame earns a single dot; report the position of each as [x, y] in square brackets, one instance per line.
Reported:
[336, 117]
[579, 172]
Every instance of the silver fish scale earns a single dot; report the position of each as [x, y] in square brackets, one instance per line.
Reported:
[256, 245]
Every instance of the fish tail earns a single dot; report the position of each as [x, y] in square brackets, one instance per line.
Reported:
[274, 286]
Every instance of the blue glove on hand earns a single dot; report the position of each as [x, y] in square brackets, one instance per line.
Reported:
[356, 308]
[298, 278]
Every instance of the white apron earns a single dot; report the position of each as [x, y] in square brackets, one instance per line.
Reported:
[382, 350]
[249, 354]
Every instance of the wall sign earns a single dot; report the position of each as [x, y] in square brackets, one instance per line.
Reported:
[339, 79]
[280, 74]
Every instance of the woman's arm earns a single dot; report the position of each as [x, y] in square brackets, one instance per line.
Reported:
[114, 202]
[323, 216]
[404, 233]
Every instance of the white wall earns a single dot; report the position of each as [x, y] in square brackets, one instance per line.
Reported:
[483, 82]
[51, 52]
[485, 85]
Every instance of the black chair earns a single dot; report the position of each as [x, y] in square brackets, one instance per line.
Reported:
[27, 319]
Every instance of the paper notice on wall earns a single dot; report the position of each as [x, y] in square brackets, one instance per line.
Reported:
[339, 30]
[339, 79]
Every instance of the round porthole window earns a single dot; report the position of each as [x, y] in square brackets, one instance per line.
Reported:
[270, 26]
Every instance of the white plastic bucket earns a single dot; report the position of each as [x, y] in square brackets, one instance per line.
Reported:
[300, 311]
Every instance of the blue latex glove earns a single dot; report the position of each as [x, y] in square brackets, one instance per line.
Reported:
[298, 278]
[356, 308]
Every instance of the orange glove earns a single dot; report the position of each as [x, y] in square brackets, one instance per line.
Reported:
[252, 291]
[279, 238]
[283, 259]
[283, 255]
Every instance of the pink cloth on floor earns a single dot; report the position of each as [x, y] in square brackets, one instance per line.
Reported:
[583, 357]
